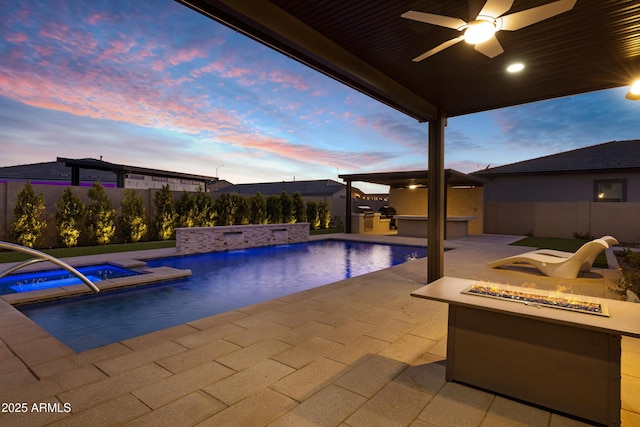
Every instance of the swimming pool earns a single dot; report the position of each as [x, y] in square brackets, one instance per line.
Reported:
[220, 282]
[33, 281]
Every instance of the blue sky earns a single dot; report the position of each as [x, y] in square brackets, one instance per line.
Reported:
[154, 84]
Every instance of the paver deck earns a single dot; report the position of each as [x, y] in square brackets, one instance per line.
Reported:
[359, 352]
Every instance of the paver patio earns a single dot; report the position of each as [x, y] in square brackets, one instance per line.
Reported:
[359, 352]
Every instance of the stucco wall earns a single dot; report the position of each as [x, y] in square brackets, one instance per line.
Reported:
[460, 202]
[568, 187]
[556, 219]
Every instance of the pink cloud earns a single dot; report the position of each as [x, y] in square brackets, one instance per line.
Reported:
[288, 79]
[185, 55]
[96, 18]
[17, 38]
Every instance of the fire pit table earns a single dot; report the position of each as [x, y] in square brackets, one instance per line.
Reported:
[556, 350]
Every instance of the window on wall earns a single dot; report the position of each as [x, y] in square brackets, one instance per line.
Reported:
[610, 190]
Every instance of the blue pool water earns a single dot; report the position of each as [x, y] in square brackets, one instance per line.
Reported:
[25, 282]
[220, 282]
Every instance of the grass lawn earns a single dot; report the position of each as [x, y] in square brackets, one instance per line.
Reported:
[567, 245]
[11, 256]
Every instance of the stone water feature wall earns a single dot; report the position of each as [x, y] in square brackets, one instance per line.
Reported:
[228, 238]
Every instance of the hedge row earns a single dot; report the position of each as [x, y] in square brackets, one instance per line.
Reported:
[99, 223]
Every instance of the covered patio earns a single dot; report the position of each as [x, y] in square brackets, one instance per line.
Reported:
[574, 48]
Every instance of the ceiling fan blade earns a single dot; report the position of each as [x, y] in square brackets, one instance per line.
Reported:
[490, 48]
[518, 20]
[438, 48]
[428, 18]
[495, 8]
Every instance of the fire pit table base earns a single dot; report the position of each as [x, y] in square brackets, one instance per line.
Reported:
[569, 370]
[568, 362]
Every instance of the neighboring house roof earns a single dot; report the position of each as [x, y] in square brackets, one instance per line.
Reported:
[321, 187]
[52, 172]
[90, 170]
[614, 155]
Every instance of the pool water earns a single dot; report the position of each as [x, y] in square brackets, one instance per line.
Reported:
[220, 282]
[33, 281]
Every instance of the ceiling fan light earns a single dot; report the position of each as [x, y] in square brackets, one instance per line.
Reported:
[479, 31]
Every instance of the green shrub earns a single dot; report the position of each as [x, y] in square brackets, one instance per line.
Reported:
[27, 227]
[299, 208]
[274, 210]
[258, 209]
[165, 218]
[132, 221]
[241, 213]
[324, 214]
[186, 210]
[312, 215]
[629, 279]
[204, 210]
[100, 215]
[583, 236]
[287, 208]
[225, 209]
[69, 216]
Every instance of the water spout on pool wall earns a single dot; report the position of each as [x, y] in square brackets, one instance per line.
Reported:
[41, 256]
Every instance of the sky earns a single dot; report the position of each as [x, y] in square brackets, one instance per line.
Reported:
[151, 83]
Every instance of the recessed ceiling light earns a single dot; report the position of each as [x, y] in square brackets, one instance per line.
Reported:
[516, 67]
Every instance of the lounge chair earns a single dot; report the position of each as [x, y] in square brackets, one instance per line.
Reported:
[611, 241]
[551, 265]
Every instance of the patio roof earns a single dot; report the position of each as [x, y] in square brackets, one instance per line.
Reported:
[367, 45]
[407, 178]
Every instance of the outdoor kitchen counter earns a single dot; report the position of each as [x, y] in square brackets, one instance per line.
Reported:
[416, 225]
[563, 360]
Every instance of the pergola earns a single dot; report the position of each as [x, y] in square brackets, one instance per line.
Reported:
[405, 179]
[366, 45]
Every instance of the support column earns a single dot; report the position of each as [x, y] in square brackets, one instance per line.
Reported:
[436, 198]
[347, 218]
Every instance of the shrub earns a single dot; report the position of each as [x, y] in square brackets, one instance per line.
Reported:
[258, 209]
[583, 236]
[204, 211]
[287, 207]
[312, 215]
[241, 214]
[100, 215]
[299, 208]
[324, 215]
[629, 279]
[69, 216]
[225, 209]
[132, 221]
[165, 219]
[27, 227]
[274, 210]
[186, 210]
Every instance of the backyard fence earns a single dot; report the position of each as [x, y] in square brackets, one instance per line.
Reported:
[563, 219]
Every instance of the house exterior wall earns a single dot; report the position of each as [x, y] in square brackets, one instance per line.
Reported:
[559, 205]
[460, 202]
[569, 187]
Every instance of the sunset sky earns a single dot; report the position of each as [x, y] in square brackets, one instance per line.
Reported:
[152, 83]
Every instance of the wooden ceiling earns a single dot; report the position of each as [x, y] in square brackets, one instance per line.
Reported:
[367, 45]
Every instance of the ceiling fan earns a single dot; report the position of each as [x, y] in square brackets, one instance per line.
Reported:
[481, 31]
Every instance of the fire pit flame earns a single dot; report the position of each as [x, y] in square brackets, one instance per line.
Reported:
[539, 300]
